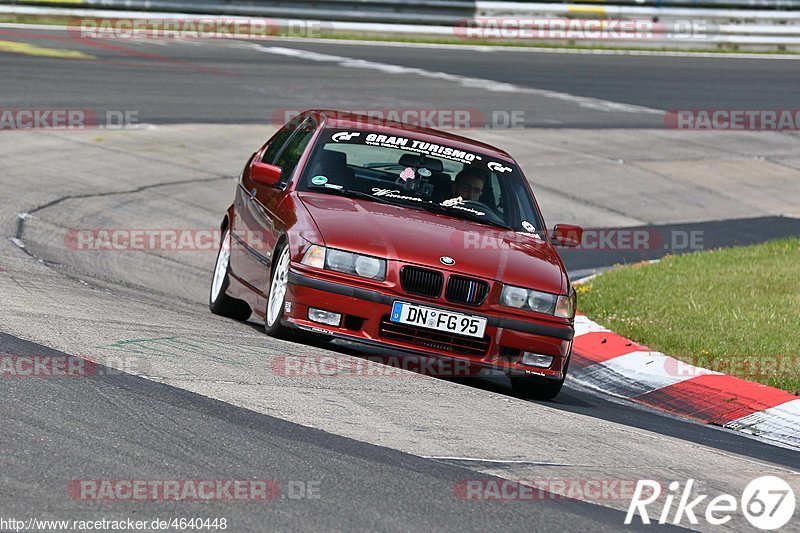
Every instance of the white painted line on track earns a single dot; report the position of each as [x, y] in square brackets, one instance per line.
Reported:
[465, 81]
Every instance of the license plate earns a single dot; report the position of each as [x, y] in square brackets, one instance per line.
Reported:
[427, 317]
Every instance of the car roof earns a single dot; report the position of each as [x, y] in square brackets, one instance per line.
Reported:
[348, 120]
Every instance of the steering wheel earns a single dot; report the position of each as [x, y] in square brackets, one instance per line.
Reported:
[480, 206]
[476, 204]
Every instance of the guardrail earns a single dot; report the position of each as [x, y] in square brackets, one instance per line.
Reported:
[442, 12]
[673, 27]
[736, 4]
[613, 10]
[676, 26]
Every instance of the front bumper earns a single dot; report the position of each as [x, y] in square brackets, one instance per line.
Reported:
[365, 318]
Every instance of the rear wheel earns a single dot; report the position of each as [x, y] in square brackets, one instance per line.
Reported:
[218, 301]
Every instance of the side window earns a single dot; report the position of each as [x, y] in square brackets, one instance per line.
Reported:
[279, 139]
[497, 194]
[293, 150]
[525, 208]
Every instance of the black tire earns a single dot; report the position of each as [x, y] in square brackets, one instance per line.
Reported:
[536, 388]
[312, 337]
[218, 302]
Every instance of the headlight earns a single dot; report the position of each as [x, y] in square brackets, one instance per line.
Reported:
[567, 305]
[542, 302]
[369, 267]
[340, 261]
[314, 256]
[346, 262]
[519, 298]
[513, 296]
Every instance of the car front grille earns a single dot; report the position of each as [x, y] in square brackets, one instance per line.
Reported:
[466, 291]
[438, 340]
[421, 281]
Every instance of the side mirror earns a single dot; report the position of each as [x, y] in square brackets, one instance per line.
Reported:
[567, 235]
[265, 174]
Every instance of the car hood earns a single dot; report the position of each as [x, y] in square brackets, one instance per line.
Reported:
[421, 237]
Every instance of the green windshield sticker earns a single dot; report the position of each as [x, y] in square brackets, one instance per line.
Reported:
[319, 180]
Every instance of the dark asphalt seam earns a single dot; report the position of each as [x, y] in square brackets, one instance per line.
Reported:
[21, 221]
[54, 265]
[66, 272]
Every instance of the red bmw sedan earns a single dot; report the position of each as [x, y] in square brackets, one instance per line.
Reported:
[409, 238]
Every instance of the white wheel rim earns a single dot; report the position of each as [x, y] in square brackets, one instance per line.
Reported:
[277, 291]
[221, 268]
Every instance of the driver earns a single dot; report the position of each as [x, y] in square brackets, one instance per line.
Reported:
[469, 184]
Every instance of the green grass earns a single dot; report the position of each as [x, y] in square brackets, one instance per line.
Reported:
[735, 310]
[37, 19]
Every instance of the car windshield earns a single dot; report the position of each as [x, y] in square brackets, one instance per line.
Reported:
[404, 170]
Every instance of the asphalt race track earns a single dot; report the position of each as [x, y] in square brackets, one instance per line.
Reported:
[240, 83]
[184, 394]
[164, 431]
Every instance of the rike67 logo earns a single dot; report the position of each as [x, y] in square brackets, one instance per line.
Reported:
[768, 503]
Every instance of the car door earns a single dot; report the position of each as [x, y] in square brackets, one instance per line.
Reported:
[258, 223]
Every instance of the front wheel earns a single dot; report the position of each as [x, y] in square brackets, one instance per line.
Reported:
[537, 388]
[312, 337]
[277, 294]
